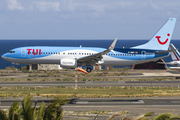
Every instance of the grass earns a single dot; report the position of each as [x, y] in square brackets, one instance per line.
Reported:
[51, 74]
[90, 92]
[84, 79]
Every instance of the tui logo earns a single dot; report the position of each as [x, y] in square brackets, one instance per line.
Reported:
[33, 51]
[162, 43]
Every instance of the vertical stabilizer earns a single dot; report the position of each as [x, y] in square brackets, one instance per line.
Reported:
[175, 54]
[162, 38]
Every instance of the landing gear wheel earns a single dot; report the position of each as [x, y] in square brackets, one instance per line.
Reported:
[88, 69]
[19, 68]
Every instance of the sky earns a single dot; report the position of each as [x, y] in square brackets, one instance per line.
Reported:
[86, 19]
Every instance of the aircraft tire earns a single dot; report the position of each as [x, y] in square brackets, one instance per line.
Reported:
[88, 69]
[19, 68]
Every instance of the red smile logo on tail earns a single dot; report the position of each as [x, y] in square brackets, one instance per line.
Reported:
[162, 43]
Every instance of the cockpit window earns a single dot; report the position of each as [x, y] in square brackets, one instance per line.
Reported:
[12, 51]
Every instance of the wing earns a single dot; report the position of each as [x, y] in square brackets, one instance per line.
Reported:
[95, 58]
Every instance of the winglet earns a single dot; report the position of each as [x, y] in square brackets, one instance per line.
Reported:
[113, 44]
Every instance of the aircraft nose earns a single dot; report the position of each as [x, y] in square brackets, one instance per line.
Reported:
[3, 56]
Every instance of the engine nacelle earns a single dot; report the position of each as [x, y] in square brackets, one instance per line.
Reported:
[68, 63]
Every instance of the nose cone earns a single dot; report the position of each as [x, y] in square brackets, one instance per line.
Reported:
[4, 56]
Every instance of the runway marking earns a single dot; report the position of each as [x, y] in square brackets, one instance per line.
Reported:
[130, 107]
[175, 101]
[139, 101]
[106, 102]
[82, 102]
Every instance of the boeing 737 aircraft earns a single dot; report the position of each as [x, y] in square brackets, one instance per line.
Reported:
[72, 57]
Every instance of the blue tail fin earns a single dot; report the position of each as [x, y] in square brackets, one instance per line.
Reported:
[162, 38]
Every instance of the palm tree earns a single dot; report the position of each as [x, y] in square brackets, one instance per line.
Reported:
[40, 113]
[28, 112]
[15, 111]
[3, 115]
[53, 111]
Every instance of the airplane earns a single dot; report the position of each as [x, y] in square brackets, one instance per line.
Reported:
[175, 55]
[72, 57]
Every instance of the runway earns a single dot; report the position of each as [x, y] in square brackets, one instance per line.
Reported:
[91, 83]
[161, 104]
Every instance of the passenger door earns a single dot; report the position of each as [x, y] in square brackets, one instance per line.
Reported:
[23, 52]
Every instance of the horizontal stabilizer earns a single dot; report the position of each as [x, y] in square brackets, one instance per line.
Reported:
[162, 52]
[174, 67]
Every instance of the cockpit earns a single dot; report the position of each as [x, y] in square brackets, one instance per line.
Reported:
[12, 51]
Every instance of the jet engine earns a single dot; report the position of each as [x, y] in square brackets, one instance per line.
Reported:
[68, 63]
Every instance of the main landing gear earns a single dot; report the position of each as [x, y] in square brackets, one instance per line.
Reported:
[88, 69]
[19, 68]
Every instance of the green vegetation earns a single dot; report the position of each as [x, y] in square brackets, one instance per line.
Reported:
[24, 68]
[167, 116]
[84, 79]
[63, 91]
[93, 74]
[10, 68]
[52, 111]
